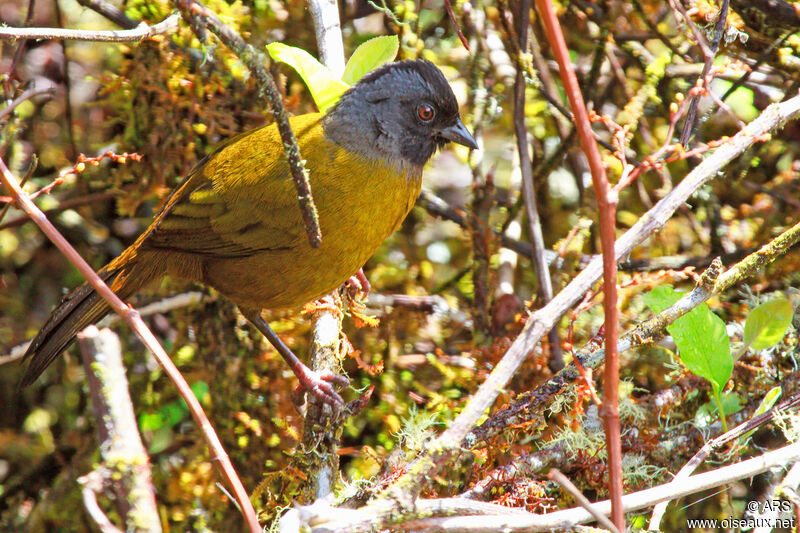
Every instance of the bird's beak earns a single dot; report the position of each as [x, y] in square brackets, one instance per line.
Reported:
[458, 134]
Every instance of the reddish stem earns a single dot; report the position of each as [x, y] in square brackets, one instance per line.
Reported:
[606, 202]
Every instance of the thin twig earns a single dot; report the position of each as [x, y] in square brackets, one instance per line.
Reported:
[92, 483]
[28, 173]
[582, 500]
[709, 52]
[27, 95]
[448, 6]
[528, 190]
[133, 318]
[110, 12]
[142, 31]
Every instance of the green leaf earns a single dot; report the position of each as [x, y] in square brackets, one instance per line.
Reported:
[150, 421]
[767, 403]
[708, 413]
[700, 336]
[767, 323]
[369, 56]
[201, 392]
[325, 88]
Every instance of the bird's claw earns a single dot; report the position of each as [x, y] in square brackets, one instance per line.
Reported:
[321, 385]
[358, 284]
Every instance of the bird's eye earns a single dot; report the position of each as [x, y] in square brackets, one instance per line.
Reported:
[425, 112]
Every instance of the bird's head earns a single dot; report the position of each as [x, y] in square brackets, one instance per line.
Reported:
[401, 112]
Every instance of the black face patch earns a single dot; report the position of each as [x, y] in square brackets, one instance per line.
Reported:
[378, 116]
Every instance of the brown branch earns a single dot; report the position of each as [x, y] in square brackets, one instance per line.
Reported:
[567, 485]
[709, 52]
[27, 95]
[528, 189]
[132, 318]
[198, 16]
[448, 6]
[110, 12]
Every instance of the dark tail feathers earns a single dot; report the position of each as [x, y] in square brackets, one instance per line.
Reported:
[77, 310]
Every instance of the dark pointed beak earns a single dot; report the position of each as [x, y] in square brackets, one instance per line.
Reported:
[458, 134]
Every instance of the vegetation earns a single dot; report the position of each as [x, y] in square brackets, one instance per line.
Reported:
[451, 290]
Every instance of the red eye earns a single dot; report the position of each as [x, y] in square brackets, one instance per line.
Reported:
[425, 112]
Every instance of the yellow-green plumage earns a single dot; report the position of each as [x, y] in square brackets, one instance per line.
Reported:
[259, 255]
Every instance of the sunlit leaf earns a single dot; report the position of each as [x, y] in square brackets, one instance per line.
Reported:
[369, 56]
[767, 323]
[325, 88]
[767, 403]
[700, 336]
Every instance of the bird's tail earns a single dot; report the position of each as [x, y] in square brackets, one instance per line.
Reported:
[79, 309]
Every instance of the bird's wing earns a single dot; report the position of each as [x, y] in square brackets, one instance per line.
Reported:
[240, 201]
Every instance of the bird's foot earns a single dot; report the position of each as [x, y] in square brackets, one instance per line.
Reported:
[358, 284]
[321, 385]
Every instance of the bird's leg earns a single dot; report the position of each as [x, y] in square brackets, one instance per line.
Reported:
[318, 383]
[358, 283]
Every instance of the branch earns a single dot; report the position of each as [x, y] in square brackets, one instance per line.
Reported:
[110, 12]
[325, 14]
[134, 320]
[709, 52]
[528, 189]
[735, 433]
[198, 17]
[164, 305]
[122, 453]
[27, 95]
[142, 31]
[92, 483]
[492, 518]
[712, 282]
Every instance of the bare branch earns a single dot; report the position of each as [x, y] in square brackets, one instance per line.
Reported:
[489, 518]
[121, 450]
[142, 31]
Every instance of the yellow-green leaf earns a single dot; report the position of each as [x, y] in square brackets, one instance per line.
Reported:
[767, 323]
[369, 56]
[325, 88]
[770, 399]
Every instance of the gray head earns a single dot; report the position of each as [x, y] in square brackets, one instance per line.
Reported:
[401, 112]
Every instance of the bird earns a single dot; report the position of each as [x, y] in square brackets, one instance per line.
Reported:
[234, 223]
